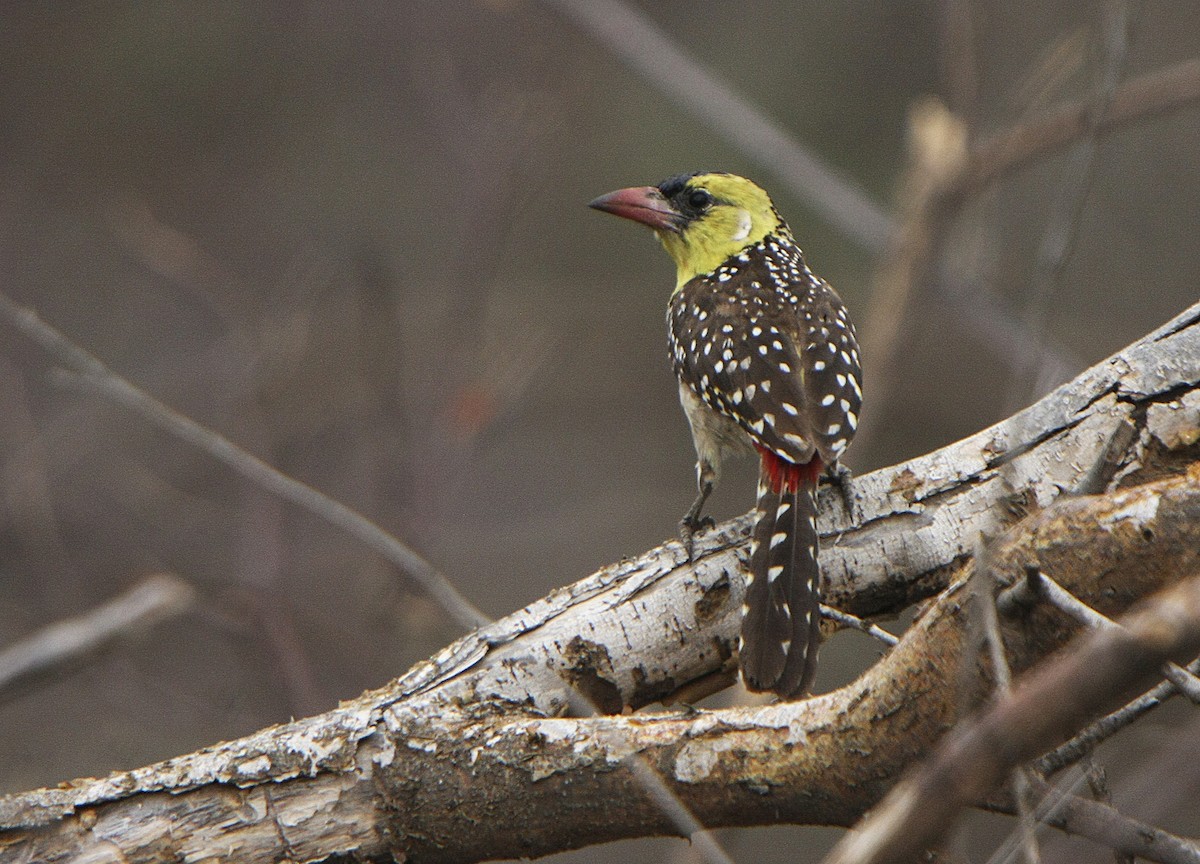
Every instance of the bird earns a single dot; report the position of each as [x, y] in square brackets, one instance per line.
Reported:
[767, 361]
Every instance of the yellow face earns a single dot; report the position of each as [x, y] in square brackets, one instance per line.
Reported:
[702, 219]
[738, 216]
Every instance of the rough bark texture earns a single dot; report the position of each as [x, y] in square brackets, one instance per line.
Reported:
[1104, 671]
[468, 757]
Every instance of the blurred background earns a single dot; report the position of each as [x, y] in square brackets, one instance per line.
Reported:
[354, 239]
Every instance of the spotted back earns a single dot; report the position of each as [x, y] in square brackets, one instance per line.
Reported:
[764, 341]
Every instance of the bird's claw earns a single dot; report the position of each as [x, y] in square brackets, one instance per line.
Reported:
[689, 527]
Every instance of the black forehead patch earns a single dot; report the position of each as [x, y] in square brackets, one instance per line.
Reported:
[672, 186]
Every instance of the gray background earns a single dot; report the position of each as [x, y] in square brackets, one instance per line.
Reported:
[353, 238]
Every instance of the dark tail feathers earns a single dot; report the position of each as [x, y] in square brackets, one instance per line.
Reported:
[781, 618]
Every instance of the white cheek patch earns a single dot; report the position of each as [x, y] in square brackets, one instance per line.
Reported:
[744, 226]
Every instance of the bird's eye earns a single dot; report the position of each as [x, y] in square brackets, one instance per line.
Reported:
[700, 199]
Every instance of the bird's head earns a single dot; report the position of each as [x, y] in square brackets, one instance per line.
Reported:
[702, 219]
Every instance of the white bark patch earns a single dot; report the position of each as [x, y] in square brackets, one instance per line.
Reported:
[784, 716]
[697, 759]
[315, 751]
[609, 745]
[298, 810]
[1141, 510]
[257, 765]
[385, 753]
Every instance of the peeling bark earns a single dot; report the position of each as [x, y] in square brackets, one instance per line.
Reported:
[433, 766]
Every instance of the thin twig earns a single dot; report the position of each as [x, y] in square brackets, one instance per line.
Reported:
[646, 48]
[1027, 820]
[985, 604]
[99, 378]
[1105, 824]
[1104, 728]
[703, 841]
[1052, 700]
[983, 583]
[1049, 802]
[855, 623]
[1097, 781]
[64, 643]
[1064, 600]
[1061, 230]
[1144, 97]
[1062, 808]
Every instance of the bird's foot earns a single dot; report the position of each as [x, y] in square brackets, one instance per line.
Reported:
[692, 522]
[691, 525]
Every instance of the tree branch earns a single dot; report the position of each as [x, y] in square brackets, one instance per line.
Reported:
[1146, 96]
[1052, 703]
[1102, 823]
[1086, 741]
[421, 768]
[93, 373]
[67, 642]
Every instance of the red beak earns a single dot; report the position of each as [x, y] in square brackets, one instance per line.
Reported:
[643, 204]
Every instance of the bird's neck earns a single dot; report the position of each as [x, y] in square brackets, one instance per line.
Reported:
[692, 259]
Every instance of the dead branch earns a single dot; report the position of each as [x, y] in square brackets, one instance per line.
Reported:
[1052, 703]
[1147, 96]
[94, 374]
[942, 175]
[1087, 740]
[1101, 822]
[434, 766]
[1183, 680]
[65, 643]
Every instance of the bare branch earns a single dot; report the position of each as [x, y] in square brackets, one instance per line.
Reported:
[1142, 98]
[65, 643]
[415, 769]
[1104, 728]
[99, 378]
[853, 622]
[1185, 682]
[1104, 824]
[642, 44]
[1048, 706]
[984, 597]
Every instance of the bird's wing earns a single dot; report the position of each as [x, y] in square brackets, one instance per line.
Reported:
[742, 357]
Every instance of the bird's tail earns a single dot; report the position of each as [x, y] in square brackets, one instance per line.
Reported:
[781, 618]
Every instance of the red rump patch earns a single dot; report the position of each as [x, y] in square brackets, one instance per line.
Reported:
[785, 476]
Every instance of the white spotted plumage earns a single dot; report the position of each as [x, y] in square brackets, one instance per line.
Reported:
[788, 377]
[766, 358]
